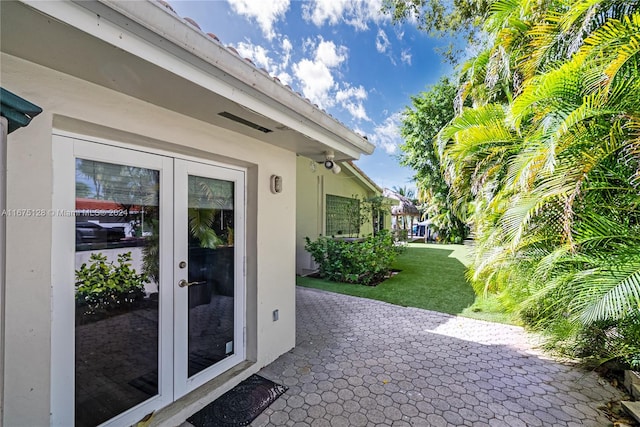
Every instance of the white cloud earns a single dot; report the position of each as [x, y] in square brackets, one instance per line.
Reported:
[308, 45]
[287, 47]
[405, 56]
[316, 75]
[351, 92]
[275, 62]
[351, 99]
[330, 54]
[258, 54]
[265, 13]
[387, 135]
[316, 80]
[383, 45]
[382, 41]
[360, 131]
[357, 110]
[320, 11]
[285, 78]
[356, 13]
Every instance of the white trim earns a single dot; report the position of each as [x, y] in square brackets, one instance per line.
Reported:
[165, 346]
[62, 294]
[4, 130]
[147, 150]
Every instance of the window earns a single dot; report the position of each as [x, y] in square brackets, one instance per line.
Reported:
[343, 215]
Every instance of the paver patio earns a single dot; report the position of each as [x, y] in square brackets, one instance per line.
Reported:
[361, 362]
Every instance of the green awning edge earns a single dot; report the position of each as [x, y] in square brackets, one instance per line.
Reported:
[18, 111]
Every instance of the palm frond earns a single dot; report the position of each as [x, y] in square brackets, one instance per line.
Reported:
[610, 298]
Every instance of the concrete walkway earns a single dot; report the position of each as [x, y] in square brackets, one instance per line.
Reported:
[360, 362]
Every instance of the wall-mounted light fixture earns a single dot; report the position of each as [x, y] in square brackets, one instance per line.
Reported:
[330, 164]
[276, 184]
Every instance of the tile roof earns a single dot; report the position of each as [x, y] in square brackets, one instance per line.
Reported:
[404, 207]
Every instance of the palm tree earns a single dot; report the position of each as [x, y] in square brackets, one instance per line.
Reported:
[549, 158]
[404, 191]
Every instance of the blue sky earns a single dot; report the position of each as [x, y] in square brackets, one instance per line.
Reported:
[343, 55]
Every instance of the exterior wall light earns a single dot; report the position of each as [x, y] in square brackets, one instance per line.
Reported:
[276, 184]
[330, 164]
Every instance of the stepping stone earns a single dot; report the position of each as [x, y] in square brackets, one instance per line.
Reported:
[632, 383]
[632, 408]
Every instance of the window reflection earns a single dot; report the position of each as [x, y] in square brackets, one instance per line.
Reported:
[211, 272]
[117, 272]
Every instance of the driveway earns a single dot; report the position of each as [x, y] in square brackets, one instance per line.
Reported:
[360, 362]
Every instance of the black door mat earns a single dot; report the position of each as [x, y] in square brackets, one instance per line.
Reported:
[240, 405]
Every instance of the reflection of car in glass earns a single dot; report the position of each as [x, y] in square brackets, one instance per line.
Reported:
[90, 232]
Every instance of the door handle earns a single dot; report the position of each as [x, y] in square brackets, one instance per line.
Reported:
[183, 283]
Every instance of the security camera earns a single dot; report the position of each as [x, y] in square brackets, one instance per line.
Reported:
[328, 163]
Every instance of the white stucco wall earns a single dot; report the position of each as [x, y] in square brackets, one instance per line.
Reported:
[312, 188]
[270, 217]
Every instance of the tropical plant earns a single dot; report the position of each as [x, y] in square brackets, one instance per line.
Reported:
[456, 19]
[430, 111]
[373, 210]
[151, 248]
[207, 200]
[365, 262]
[546, 162]
[208, 227]
[103, 286]
[404, 191]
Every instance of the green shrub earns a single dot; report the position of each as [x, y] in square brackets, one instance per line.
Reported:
[611, 340]
[103, 286]
[365, 262]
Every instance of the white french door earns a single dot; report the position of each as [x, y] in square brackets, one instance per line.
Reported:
[148, 280]
[208, 285]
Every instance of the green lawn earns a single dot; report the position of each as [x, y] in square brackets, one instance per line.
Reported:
[431, 277]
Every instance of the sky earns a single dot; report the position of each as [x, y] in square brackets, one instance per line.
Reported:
[343, 55]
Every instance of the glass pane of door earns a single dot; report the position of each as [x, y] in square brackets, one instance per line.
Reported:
[210, 223]
[116, 289]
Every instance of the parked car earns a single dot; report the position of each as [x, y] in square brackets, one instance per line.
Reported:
[91, 232]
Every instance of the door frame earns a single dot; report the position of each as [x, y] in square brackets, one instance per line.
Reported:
[66, 146]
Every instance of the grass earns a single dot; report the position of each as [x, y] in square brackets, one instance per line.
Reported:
[431, 277]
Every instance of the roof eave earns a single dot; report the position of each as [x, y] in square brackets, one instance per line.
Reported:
[195, 43]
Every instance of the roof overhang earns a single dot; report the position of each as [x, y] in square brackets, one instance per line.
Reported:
[142, 49]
